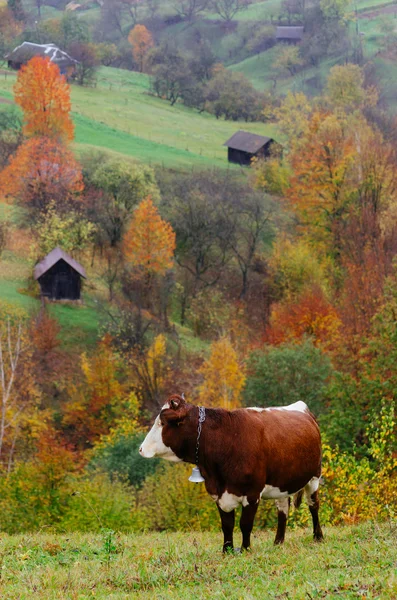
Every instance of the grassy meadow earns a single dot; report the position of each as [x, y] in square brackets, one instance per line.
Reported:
[119, 115]
[353, 562]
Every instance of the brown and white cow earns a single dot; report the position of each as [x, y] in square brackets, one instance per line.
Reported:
[244, 455]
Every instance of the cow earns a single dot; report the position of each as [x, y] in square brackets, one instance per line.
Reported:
[244, 455]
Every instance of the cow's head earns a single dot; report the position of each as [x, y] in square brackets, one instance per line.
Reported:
[165, 437]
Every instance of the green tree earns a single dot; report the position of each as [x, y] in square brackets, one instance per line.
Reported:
[286, 374]
[122, 185]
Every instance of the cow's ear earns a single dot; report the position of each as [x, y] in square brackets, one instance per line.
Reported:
[176, 402]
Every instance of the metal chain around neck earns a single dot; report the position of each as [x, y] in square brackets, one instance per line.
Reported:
[199, 428]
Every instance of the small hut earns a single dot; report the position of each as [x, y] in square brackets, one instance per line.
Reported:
[59, 276]
[244, 146]
[27, 50]
[289, 35]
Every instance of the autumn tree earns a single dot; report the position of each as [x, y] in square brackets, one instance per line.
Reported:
[149, 243]
[18, 395]
[288, 60]
[150, 369]
[141, 41]
[346, 90]
[310, 314]
[293, 116]
[10, 28]
[223, 377]
[44, 97]
[40, 172]
[96, 403]
[115, 188]
[320, 186]
[17, 10]
[70, 231]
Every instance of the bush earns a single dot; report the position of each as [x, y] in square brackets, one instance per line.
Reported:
[283, 375]
[31, 499]
[121, 459]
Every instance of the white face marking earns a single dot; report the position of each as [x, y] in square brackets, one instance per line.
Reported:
[297, 406]
[273, 492]
[283, 505]
[310, 488]
[153, 444]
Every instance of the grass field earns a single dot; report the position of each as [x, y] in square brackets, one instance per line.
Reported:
[353, 562]
[119, 115]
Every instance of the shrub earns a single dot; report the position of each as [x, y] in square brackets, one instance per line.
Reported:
[286, 374]
[121, 459]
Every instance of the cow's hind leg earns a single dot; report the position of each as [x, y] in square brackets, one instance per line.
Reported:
[248, 513]
[311, 493]
[282, 516]
[227, 519]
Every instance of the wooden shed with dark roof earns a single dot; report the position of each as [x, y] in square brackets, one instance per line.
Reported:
[292, 35]
[244, 146]
[59, 276]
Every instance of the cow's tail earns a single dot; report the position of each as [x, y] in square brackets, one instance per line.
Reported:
[298, 498]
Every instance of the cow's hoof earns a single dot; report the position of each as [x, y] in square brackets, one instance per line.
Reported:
[278, 542]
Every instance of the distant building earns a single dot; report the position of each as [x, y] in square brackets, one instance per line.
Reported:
[23, 53]
[243, 146]
[292, 35]
[59, 276]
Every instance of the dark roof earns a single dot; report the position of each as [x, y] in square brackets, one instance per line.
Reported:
[247, 142]
[289, 33]
[52, 258]
[27, 50]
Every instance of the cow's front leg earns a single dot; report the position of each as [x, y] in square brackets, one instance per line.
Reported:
[282, 516]
[247, 522]
[227, 519]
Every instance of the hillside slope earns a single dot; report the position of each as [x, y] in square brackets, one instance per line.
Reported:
[120, 115]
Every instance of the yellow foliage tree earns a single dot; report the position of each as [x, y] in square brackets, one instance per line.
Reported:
[223, 377]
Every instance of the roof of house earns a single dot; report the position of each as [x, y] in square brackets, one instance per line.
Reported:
[289, 33]
[28, 50]
[247, 142]
[52, 258]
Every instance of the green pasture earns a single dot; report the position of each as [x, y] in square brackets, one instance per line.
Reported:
[121, 116]
[79, 323]
[357, 562]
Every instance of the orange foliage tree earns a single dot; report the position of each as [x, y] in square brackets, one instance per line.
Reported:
[320, 188]
[149, 243]
[310, 314]
[44, 96]
[141, 41]
[42, 171]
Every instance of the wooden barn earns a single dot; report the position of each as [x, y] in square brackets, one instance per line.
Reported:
[289, 35]
[243, 146]
[27, 50]
[59, 276]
